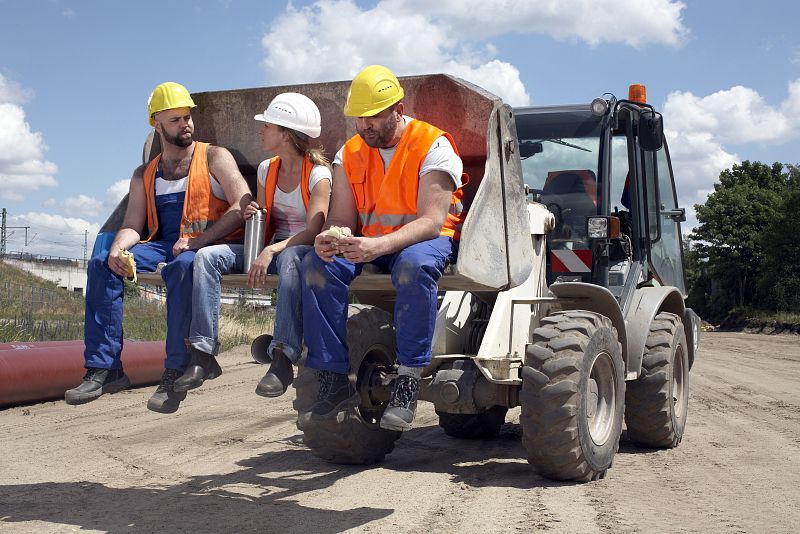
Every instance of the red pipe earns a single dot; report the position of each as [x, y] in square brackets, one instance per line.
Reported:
[33, 372]
[23, 345]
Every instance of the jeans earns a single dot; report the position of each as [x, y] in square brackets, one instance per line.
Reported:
[213, 262]
[415, 275]
[104, 295]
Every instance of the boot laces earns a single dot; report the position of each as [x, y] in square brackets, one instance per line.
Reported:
[325, 379]
[91, 373]
[405, 391]
[168, 379]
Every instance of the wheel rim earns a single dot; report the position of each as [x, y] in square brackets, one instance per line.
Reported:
[678, 384]
[601, 398]
[378, 359]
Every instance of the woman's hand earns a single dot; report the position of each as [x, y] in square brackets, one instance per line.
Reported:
[251, 209]
[258, 269]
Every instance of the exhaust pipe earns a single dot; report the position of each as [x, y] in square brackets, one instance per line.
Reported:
[35, 372]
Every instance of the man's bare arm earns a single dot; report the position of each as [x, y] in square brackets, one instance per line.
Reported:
[222, 165]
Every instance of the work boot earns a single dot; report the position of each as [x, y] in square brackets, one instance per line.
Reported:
[278, 378]
[96, 382]
[203, 366]
[166, 399]
[335, 392]
[402, 404]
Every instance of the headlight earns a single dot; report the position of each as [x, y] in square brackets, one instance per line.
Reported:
[602, 227]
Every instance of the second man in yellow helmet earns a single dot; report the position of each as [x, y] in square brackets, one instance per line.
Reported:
[397, 185]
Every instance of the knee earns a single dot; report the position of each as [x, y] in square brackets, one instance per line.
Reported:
[204, 261]
[412, 269]
[314, 271]
[180, 266]
[97, 264]
[289, 261]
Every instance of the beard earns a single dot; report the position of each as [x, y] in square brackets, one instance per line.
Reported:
[382, 136]
[180, 140]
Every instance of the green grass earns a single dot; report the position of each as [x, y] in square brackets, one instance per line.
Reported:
[766, 316]
[33, 309]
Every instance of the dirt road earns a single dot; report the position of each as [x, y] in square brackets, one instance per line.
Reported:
[230, 461]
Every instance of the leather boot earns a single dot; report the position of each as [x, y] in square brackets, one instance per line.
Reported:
[96, 382]
[278, 378]
[336, 394]
[166, 399]
[203, 366]
[402, 407]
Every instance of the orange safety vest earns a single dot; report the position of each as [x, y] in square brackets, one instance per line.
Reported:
[271, 182]
[388, 201]
[200, 207]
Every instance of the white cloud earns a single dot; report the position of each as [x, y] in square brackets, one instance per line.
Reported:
[23, 168]
[12, 93]
[83, 204]
[343, 38]
[700, 131]
[645, 21]
[52, 235]
[114, 194]
[68, 13]
[736, 115]
[417, 36]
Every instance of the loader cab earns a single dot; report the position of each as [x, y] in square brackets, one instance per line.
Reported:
[603, 170]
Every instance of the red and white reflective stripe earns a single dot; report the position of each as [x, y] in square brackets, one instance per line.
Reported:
[571, 261]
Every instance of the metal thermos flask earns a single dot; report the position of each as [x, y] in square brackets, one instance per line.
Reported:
[253, 239]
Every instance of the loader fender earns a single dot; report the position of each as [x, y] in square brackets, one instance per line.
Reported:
[646, 303]
[589, 297]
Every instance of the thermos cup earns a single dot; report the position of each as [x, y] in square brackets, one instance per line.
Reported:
[253, 238]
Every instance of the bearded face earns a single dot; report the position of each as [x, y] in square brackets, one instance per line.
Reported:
[379, 131]
[176, 126]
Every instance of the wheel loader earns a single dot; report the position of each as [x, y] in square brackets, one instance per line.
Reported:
[567, 298]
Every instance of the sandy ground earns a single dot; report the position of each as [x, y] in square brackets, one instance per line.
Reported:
[230, 461]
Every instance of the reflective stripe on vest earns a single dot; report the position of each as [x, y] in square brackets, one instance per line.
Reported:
[200, 207]
[386, 201]
[271, 182]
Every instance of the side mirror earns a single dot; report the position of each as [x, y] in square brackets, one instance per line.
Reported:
[651, 130]
[529, 148]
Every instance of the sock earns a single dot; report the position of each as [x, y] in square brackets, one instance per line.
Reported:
[416, 372]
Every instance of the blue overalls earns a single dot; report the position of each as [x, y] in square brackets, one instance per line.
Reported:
[415, 275]
[104, 292]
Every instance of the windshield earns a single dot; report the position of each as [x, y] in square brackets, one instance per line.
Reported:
[560, 151]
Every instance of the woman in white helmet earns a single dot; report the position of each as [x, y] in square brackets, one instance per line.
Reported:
[294, 188]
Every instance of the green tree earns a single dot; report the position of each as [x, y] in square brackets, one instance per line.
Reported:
[732, 221]
[779, 284]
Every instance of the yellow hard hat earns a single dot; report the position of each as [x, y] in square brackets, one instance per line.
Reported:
[373, 89]
[168, 95]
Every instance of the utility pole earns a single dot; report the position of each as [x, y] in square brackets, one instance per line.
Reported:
[85, 245]
[3, 235]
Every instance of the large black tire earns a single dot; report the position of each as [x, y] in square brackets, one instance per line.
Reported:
[657, 403]
[573, 392]
[473, 426]
[354, 437]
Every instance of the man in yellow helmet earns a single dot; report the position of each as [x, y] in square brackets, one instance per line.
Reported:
[189, 196]
[397, 185]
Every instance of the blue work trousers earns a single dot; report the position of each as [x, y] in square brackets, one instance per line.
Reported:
[104, 294]
[415, 274]
[211, 263]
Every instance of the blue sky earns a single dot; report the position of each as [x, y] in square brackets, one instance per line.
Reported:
[75, 76]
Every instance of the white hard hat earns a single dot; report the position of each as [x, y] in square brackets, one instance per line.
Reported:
[294, 111]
